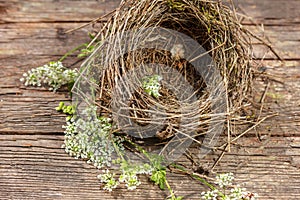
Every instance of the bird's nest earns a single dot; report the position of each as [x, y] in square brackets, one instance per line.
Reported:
[190, 102]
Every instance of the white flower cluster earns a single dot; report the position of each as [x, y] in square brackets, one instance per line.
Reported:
[151, 85]
[53, 74]
[129, 176]
[238, 193]
[224, 180]
[108, 179]
[210, 195]
[235, 193]
[130, 179]
[130, 172]
[91, 139]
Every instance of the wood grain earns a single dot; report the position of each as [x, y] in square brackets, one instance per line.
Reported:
[34, 166]
[270, 12]
[15, 11]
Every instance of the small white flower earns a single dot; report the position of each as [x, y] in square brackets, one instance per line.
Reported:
[236, 193]
[210, 195]
[151, 85]
[52, 74]
[224, 180]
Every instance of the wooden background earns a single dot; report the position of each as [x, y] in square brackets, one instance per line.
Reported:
[34, 166]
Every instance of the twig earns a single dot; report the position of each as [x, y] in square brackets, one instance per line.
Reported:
[91, 22]
[220, 157]
[252, 127]
[263, 99]
[260, 39]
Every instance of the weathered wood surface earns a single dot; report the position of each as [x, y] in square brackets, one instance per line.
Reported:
[34, 166]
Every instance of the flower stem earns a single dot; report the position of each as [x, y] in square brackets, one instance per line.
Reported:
[169, 188]
[72, 51]
[198, 178]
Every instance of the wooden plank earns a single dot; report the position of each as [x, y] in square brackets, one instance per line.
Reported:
[266, 11]
[35, 166]
[30, 114]
[280, 20]
[38, 168]
[282, 97]
[285, 40]
[29, 39]
[53, 10]
[270, 12]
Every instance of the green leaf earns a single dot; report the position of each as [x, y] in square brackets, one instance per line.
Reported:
[68, 118]
[91, 36]
[60, 106]
[86, 51]
[159, 178]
